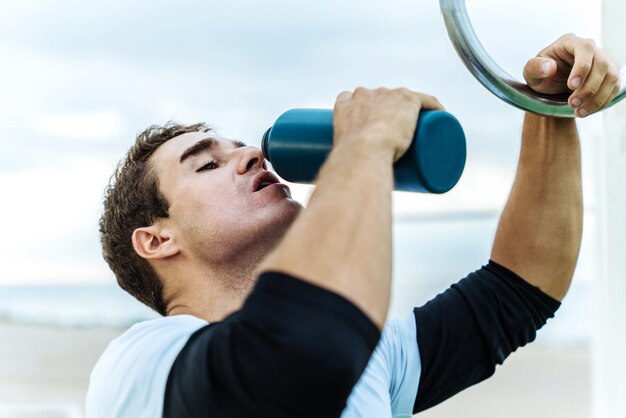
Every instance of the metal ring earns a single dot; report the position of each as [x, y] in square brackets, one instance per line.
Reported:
[494, 78]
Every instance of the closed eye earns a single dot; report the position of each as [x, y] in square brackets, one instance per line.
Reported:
[209, 166]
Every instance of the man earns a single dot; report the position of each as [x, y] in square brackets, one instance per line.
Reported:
[272, 310]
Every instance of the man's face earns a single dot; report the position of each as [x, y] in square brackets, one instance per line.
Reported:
[222, 198]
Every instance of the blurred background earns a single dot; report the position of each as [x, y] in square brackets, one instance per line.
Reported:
[81, 79]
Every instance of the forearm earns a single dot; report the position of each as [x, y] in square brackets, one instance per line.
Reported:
[540, 229]
[342, 240]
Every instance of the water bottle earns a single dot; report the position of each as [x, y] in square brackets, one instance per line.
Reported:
[300, 140]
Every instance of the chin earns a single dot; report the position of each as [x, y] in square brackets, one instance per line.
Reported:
[284, 215]
[259, 234]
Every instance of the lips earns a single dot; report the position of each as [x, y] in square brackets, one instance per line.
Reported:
[262, 180]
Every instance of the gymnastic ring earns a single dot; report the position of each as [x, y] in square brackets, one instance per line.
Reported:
[494, 78]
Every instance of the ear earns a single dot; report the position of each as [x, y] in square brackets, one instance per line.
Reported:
[154, 242]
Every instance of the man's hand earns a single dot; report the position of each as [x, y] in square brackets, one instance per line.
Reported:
[573, 64]
[386, 117]
[342, 240]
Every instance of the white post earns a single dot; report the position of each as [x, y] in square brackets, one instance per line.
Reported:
[609, 345]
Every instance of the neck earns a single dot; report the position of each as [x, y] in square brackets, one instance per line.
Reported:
[212, 291]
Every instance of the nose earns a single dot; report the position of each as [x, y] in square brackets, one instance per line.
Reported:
[251, 158]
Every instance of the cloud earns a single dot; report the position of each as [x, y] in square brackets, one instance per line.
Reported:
[81, 79]
[50, 221]
[97, 125]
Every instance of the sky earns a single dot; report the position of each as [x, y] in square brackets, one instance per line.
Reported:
[80, 79]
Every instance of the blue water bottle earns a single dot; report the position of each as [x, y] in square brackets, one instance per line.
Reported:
[300, 140]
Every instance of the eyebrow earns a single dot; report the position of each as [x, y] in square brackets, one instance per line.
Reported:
[203, 145]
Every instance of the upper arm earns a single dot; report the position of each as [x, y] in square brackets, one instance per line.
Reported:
[464, 332]
[293, 350]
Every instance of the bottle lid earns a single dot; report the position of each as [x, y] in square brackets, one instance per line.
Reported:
[265, 145]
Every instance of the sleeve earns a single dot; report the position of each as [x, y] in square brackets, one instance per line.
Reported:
[464, 332]
[293, 350]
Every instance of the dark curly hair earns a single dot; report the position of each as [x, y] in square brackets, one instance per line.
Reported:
[132, 200]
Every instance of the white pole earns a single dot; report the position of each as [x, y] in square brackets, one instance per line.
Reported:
[609, 345]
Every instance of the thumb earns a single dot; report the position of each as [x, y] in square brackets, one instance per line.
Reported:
[538, 69]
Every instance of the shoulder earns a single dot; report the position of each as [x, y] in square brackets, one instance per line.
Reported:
[157, 332]
[135, 366]
[148, 341]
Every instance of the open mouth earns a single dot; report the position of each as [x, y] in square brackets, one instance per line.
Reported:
[263, 179]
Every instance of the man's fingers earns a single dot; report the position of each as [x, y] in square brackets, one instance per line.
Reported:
[591, 96]
[583, 51]
[537, 69]
[597, 102]
[344, 95]
[592, 75]
[429, 102]
[614, 93]
[611, 97]
[423, 100]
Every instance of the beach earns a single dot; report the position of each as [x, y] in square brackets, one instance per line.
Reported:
[44, 370]
[44, 373]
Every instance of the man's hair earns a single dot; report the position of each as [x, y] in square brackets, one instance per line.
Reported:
[132, 200]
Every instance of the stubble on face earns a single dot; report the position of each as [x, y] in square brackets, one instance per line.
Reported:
[216, 215]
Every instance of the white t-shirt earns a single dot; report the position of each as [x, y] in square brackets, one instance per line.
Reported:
[130, 378]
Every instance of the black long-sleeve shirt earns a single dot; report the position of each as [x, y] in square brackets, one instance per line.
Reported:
[293, 350]
[296, 350]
